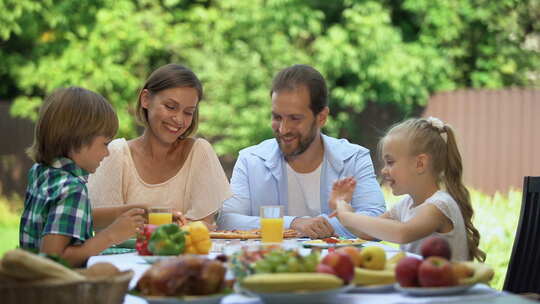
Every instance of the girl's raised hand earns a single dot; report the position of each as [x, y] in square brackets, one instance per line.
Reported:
[342, 189]
[342, 192]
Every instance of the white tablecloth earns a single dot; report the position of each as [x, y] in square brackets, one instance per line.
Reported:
[139, 266]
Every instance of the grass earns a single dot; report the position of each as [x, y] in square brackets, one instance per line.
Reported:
[9, 224]
[496, 218]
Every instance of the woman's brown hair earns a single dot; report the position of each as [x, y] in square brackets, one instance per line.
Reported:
[433, 137]
[69, 119]
[167, 77]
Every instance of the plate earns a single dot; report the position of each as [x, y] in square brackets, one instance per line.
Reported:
[151, 259]
[210, 299]
[372, 288]
[433, 291]
[324, 296]
[342, 243]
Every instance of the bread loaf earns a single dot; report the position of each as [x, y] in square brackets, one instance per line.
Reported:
[23, 265]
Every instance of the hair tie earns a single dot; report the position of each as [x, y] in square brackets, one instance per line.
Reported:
[439, 125]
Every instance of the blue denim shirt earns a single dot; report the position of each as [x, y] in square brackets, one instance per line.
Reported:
[260, 178]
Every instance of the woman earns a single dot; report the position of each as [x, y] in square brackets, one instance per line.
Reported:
[165, 166]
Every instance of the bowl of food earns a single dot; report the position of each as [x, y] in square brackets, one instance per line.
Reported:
[186, 278]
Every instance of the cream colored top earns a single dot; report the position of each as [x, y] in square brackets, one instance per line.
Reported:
[197, 190]
[457, 237]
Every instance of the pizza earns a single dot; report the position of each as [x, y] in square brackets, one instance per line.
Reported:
[333, 242]
[246, 234]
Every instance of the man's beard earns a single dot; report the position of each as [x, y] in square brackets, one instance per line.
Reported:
[303, 143]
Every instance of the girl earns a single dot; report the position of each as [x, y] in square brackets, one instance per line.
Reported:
[418, 155]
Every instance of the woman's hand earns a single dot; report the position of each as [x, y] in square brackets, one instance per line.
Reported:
[210, 226]
[179, 218]
[209, 221]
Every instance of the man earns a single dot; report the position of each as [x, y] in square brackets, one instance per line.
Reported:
[298, 167]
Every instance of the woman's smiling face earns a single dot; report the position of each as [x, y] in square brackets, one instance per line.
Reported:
[170, 112]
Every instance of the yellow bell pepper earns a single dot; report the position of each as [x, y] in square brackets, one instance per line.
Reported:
[198, 240]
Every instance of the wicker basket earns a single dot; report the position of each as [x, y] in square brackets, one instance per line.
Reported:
[110, 290]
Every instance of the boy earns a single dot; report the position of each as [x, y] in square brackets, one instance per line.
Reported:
[71, 136]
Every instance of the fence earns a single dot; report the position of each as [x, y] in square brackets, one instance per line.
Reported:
[497, 134]
[15, 136]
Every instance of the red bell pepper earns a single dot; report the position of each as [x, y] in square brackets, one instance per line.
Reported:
[143, 238]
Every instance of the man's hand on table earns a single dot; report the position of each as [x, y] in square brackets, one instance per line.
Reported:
[315, 227]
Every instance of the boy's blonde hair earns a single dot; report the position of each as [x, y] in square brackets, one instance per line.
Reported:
[69, 119]
[437, 139]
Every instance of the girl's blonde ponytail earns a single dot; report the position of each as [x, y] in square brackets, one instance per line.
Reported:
[453, 172]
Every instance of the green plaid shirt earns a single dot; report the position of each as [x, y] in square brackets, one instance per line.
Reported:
[56, 202]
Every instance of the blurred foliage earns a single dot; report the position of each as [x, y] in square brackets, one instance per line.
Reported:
[496, 218]
[389, 52]
[9, 223]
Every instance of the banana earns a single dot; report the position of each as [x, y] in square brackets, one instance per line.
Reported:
[482, 273]
[288, 282]
[364, 276]
[396, 258]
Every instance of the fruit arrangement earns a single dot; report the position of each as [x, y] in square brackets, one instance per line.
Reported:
[436, 269]
[371, 267]
[274, 270]
[291, 282]
[169, 239]
[272, 260]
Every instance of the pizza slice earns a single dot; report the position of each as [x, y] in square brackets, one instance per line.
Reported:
[246, 234]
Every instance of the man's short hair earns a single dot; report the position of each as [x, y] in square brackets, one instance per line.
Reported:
[69, 119]
[297, 75]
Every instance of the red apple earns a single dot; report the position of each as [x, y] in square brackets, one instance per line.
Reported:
[436, 246]
[435, 272]
[323, 268]
[407, 272]
[341, 264]
[353, 253]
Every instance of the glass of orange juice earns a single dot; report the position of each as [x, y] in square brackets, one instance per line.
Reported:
[160, 215]
[272, 224]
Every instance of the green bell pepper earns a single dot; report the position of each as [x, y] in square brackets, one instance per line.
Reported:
[167, 239]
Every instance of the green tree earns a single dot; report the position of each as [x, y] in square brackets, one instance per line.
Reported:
[386, 52]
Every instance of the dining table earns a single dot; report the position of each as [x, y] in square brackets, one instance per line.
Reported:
[479, 293]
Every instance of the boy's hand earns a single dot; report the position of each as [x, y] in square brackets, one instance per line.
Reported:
[126, 225]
